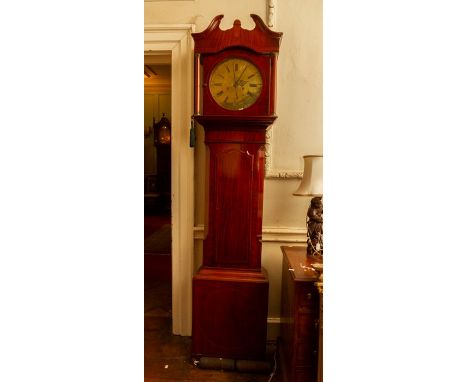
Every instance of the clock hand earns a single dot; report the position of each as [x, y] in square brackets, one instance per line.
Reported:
[235, 81]
[242, 73]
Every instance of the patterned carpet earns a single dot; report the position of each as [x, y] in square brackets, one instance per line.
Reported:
[157, 244]
[154, 222]
[159, 241]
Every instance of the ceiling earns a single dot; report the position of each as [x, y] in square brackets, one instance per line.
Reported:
[157, 71]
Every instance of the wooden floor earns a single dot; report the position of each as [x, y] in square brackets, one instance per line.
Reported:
[167, 357]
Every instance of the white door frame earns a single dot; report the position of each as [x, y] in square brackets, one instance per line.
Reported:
[176, 39]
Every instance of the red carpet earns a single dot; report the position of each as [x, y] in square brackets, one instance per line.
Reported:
[158, 259]
[158, 267]
[154, 222]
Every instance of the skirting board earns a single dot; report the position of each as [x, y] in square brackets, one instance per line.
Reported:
[273, 328]
[274, 320]
[269, 234]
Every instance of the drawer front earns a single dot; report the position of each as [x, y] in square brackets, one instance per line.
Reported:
[306, 374]
[307, 324]
[306, 353]
[307, 296]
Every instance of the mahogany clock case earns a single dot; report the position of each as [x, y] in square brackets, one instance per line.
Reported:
[230, 290]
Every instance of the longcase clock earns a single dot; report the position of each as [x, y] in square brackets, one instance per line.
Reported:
[235, 86]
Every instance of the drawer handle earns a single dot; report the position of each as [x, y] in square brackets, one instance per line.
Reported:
[309, 296]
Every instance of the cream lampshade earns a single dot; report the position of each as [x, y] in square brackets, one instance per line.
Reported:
[312, 185]
[312, 182]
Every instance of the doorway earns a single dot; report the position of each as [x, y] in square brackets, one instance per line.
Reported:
[157, 186]
[176, 40]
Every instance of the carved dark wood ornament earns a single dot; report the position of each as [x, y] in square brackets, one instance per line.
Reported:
[260, 39]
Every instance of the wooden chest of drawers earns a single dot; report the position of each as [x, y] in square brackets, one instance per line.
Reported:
[300, 316]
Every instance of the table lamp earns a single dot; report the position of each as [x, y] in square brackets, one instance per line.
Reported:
[312, 185]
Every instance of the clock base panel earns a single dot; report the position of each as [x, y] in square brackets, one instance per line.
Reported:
[230, 310]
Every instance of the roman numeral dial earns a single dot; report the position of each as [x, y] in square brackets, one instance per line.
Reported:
[235, 84]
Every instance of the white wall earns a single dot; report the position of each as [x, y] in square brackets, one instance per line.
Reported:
[201, 12]
[298, 129]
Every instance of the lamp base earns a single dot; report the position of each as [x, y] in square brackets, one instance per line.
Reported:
[314, 227]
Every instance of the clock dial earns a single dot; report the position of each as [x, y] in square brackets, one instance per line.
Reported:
[235, 84]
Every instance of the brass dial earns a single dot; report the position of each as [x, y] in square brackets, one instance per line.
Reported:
[235, 84]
